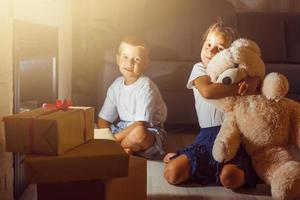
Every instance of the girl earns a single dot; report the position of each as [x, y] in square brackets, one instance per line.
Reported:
[196, 162]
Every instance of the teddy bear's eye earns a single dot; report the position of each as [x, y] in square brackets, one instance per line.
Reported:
[236, 65]
[226, 80]
[221, 48]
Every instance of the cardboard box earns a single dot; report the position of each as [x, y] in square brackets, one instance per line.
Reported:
[78, 190]
[96, 159]
[132, 187]
[89, 114]
[50, 132]
[103, 134]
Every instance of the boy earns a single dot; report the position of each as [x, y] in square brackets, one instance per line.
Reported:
[137, 101]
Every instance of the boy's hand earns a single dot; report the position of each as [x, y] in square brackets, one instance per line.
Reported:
[248, 86]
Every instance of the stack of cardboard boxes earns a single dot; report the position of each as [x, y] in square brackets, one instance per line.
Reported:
[66, 162]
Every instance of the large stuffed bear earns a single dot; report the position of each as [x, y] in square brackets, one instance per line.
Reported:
[266, 124]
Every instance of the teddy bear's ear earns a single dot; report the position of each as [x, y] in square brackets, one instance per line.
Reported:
[246, 43]
[275, 86]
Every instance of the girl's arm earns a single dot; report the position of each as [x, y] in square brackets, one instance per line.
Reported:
[211, 90]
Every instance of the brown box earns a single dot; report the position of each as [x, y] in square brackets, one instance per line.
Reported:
[78, 190]
[89, 121]
[50, 132]
[132, 187]
[96, 159]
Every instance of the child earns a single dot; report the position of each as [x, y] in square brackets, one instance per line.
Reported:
[136, 101]
[196, 162]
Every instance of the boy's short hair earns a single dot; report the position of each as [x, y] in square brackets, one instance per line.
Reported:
[228, 32]
[134, 41]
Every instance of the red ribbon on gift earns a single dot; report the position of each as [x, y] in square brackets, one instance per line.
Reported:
[59, 104]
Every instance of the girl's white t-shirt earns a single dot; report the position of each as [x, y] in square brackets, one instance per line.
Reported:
[208, 115]
[140, 101]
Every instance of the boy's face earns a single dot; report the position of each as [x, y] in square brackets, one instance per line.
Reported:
[215, 42]
[132, 61]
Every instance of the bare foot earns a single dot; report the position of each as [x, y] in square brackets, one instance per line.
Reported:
[167, 157]
[128, 151]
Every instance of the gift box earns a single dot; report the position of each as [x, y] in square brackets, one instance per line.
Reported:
[96, 159]
[132, 187]
[78, 190]
[49, 131]
[88, 120]
[103, 134]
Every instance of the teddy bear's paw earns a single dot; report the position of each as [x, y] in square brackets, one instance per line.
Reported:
[220, 151]
[275, 86]
[286, 181]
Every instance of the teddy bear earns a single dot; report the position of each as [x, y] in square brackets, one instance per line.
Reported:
[266, 124]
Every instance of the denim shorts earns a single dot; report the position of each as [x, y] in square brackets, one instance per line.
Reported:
[160, 136]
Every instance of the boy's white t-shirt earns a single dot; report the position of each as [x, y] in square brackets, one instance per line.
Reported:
[140, 101]
[208, 115]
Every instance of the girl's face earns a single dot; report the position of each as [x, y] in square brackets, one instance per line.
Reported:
[215, 42]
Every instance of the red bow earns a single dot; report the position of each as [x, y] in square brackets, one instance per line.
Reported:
[59, 104]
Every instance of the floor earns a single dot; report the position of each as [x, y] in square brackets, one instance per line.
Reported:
[159, 189]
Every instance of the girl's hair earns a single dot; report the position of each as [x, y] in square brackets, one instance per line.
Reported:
[228, 32]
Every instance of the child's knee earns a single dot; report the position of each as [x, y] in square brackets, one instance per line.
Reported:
[139, 139]
[178, 170]
[172, 174]
[232, 177]
[138, 135]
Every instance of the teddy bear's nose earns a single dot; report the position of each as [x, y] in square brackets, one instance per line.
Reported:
[226, 80]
